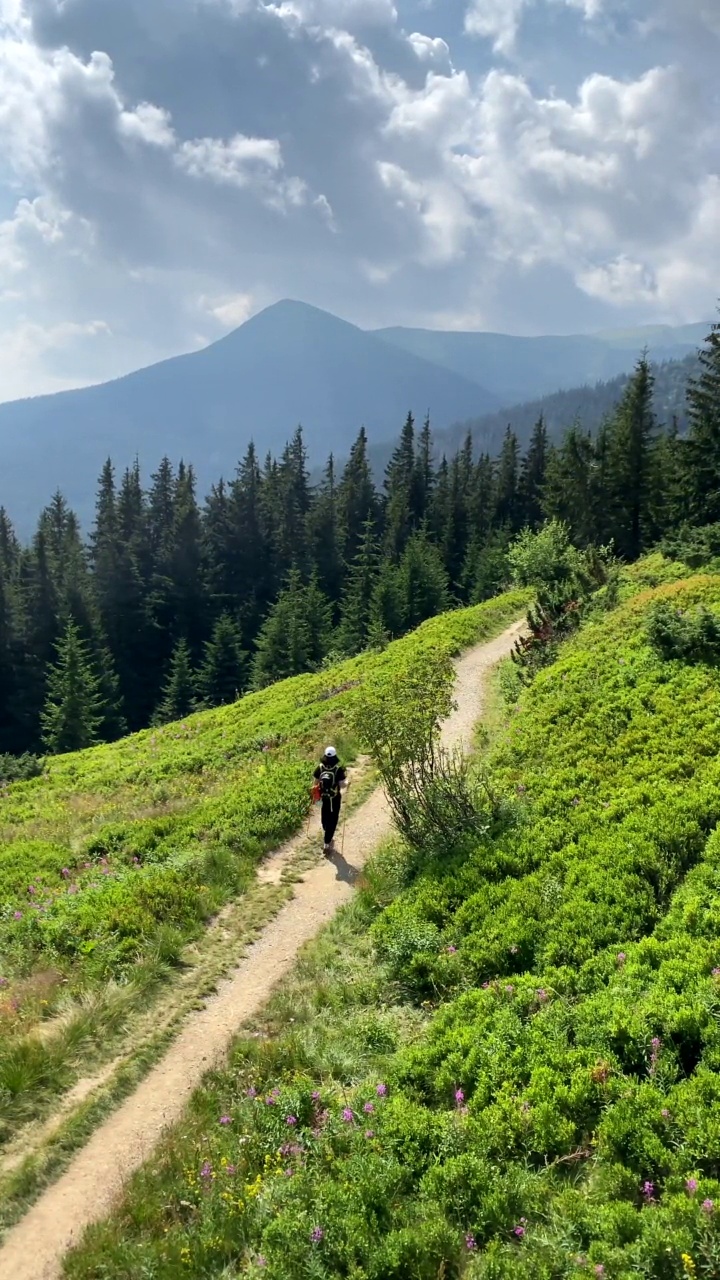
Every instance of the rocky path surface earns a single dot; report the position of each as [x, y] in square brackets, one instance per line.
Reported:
[94, 1181]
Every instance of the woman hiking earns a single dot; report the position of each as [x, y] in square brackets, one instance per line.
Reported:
[330, 777]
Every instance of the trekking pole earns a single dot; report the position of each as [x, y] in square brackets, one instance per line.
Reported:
[342, 846]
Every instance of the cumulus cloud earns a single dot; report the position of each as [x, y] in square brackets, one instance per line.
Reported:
[333, 150]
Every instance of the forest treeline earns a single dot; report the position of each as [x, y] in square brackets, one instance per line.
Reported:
[172, 603]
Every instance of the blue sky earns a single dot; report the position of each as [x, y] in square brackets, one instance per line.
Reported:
[170, 167]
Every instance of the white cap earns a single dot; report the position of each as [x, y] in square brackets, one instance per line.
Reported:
[330, 752]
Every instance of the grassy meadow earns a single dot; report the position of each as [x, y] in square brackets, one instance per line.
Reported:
[116, 858]
[504, 1065]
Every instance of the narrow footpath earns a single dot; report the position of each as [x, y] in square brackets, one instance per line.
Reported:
[94, 1181]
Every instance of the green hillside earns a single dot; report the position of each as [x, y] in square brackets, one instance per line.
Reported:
[116, 857]
[503, 1063]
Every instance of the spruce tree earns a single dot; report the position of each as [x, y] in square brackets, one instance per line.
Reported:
[179, 692]
[223, 674]
[357, 501]
[532, 477]
[422, 582]
[73, 707]
[424, 477]
[355, 616]
[296, 634]
[400, 509]
[507, 497]
[631, 439]
[387, 609]
[703, 445]
[323, 536]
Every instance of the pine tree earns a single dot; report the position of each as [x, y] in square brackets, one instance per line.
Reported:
[355, 618]
[188, 615]
[703, 445]
[387, 610]
[291, 504]
[569, 493]
[424, 477]
[631, 439]
[179, 692]
[222, 676]
[73, 706]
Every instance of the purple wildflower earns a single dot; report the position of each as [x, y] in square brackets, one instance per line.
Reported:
[648, 1190]
[459, 1097]
[691, 1186]
[542, 995]
[470, 1242]
[17, 915]
[251, 1093]
[347, 1115]
[665, 1113]
[716, 973]
[519, 1232]
[369, 1133]
[381, 1090]
[225, 1120]
[621, 957]
[317, 1234]
[509, 988]
[708, 1206]
[270, 1101]
[261, 1261]
[288, 1173]
[231, 1170]
[206, 1171]
[291, 1120]
[31, 889]
[599, 1269]
[452, 951]
[65, 872]
[316, 1096]
[369, 1108]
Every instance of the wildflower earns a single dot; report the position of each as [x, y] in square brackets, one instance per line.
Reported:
[347, 1115]
[270, 1101]
[521, 789]
[17, 915]
[3, 982]
[691, 1186]
[519, 1232]
[452, 951]
[648, 1190]
[291, 1120]
[231, 1170]
[225, 1120]
[656, 1044]
[368, 1108]
[317, 1234]
[459, 1097]
[716, 973]
[621, 957]
[251, 1093]
[381, 1090]
[541, 995]
[470, 1242]
[513, 950]
[32, 889]
[206, 1171]
[599, 1269]
[688, 1264]
[65, 872]
[708, 1206]
[369, 1133]
[260, 1261]
[665, 1113]
[288, 1173]
[316, 1096]
[509, 988]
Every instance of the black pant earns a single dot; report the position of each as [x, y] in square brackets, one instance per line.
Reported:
[330, 816]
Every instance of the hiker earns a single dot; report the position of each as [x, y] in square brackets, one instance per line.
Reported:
[330, 778]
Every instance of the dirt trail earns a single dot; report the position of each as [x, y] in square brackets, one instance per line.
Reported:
[93, 1183]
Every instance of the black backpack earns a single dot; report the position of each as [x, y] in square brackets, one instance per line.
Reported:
[328, 784]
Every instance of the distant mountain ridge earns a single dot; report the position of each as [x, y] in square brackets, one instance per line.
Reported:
[516, 368]
[290, 364]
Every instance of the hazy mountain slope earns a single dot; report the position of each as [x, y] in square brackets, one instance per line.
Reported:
[290, 364]
[588, 405]
[517, 369]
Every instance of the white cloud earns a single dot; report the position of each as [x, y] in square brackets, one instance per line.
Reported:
[406, 184]
[229, 310]
[25, 346]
